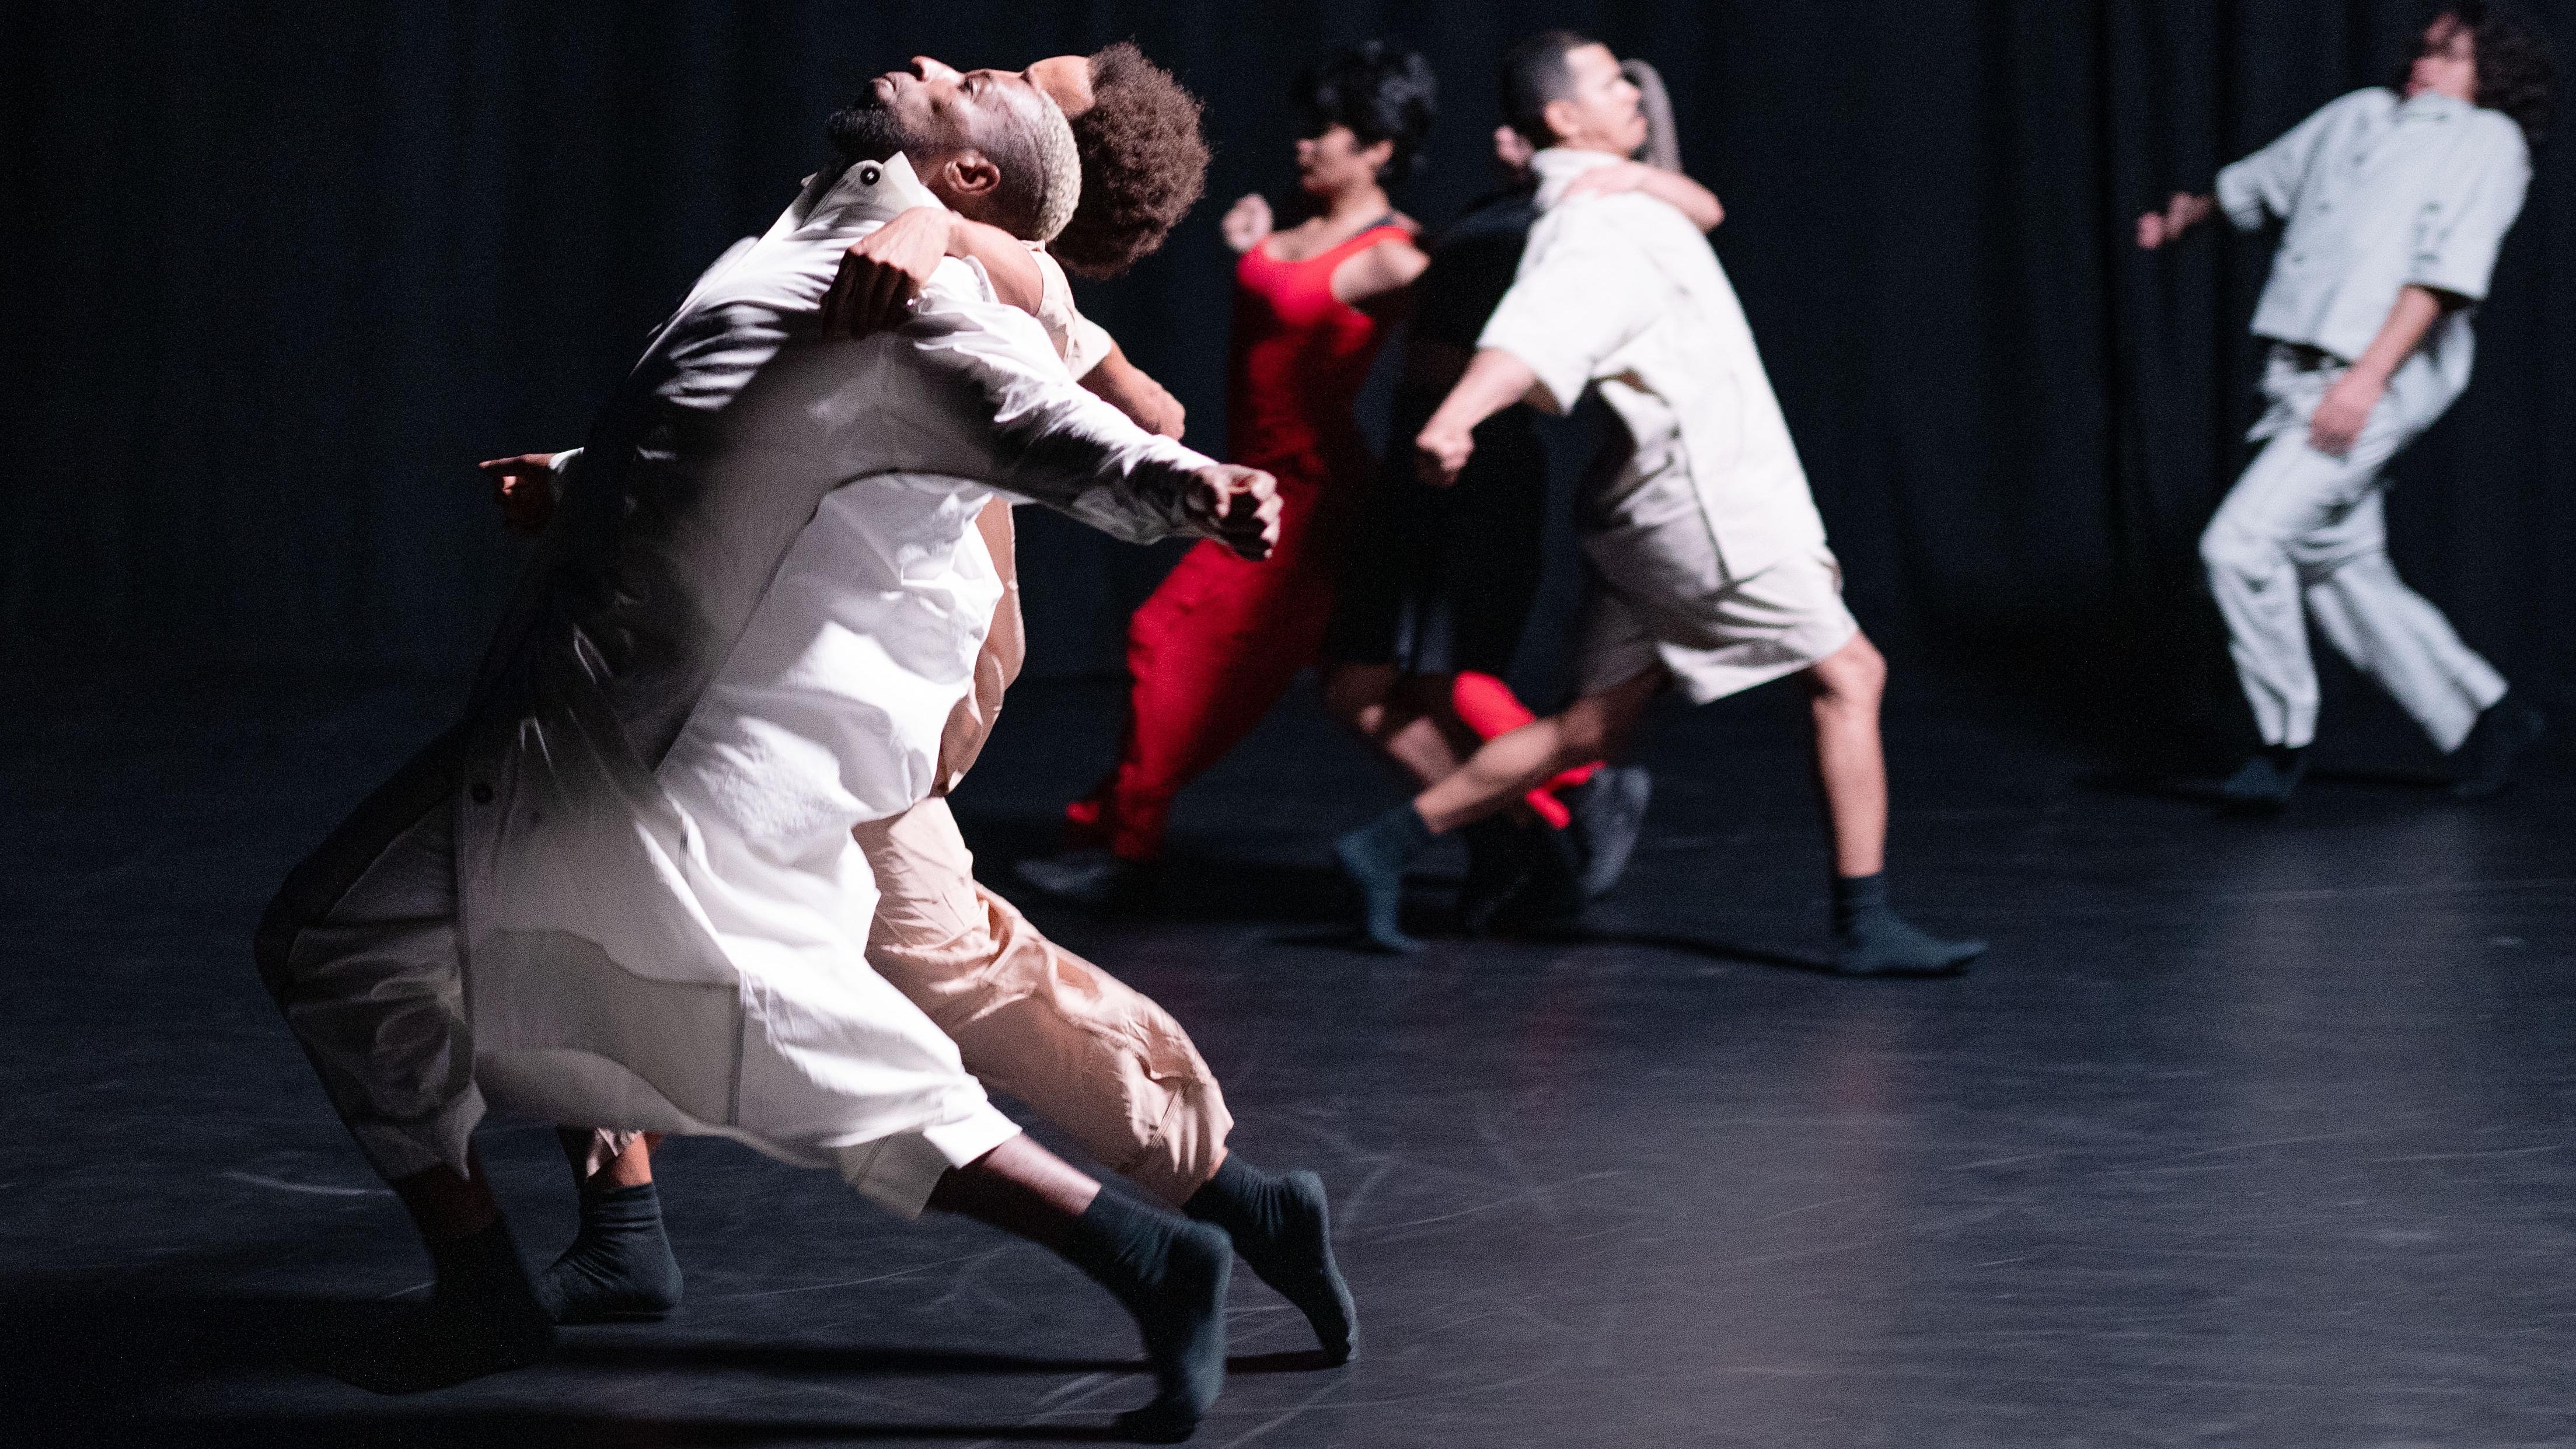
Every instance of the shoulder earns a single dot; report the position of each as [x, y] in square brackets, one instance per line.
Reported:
[2498, 135]
[2368, 101]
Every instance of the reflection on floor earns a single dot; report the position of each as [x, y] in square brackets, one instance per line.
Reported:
[2245, 1133]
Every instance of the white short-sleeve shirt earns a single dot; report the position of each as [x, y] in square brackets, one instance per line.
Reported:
[2380, 194]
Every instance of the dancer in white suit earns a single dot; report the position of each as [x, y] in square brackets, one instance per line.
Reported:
[2396, 202]
[763, 601]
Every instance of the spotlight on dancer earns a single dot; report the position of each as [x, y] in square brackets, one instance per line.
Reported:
[637, 849]
[1218, 642]
[2394, 201]
[1709, 571]
[1030, 1019]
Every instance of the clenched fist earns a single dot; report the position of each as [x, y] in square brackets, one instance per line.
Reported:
[1238, 507]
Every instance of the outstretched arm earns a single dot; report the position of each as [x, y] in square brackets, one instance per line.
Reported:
[2340, 416]
[1131, 390]
[1494, 380]
[2183, 212]
[1056, 444]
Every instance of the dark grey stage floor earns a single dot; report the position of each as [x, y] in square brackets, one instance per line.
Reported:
[2245, 1134]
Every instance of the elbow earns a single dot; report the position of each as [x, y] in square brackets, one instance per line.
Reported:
[1714, 217]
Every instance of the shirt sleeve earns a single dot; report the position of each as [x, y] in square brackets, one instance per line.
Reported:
[1055, 443]
[2462, 223]
[559, 471]
[1583, 293]
[2266, 184]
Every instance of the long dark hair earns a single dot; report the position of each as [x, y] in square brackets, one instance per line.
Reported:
[1381, 94]
[2517, 68]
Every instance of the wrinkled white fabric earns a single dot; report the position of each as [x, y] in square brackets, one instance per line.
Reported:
[761, 598]
[1623, 293]
[2379, 194]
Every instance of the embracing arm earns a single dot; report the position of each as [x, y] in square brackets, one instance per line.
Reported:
[1133, 391]
[1670, 187]
[884, 271]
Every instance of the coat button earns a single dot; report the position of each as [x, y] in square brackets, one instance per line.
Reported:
[482, 793]
[869, 171]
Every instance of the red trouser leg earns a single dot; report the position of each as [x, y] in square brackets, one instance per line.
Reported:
[1488, 706]
[1209, 654]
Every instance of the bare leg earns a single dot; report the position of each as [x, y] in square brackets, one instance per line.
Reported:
[632, 1166]
[1504, 769]
[1509, 766]
[1021, 1188]
[446, 1207]
[1384, 708]
[1844, 689]
[482, 1316]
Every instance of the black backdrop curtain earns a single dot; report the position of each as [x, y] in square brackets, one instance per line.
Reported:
[276, 275]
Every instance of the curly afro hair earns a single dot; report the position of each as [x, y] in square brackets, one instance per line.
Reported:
[2517, 70]
[1144, 164]
[1380, 94]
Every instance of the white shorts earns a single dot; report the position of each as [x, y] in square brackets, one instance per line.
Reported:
[1660, 594]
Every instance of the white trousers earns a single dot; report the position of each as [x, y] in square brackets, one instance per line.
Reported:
[363, 953]
[2303, 535]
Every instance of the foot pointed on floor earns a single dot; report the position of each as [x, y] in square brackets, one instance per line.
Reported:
[1373, 859]
[1172, 1275]
[1282, 1225]
[1871, 939]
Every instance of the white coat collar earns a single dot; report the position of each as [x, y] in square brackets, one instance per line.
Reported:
[864, 191]
[1557, 166]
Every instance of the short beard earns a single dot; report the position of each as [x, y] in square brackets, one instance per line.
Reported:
[865, 130]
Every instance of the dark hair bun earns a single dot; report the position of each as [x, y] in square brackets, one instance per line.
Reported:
[1381, 94]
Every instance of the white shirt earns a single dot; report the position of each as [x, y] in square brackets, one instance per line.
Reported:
[759, 602]
[1623, 293]
[2381, 194]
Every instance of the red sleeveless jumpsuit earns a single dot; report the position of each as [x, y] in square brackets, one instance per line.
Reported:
[1219, 641]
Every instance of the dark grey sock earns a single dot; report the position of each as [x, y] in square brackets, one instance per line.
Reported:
[1871, 939]
[619, 1266]
[1282, 1226]
[481, 1318]
[1373, 858]
[1172, 1275]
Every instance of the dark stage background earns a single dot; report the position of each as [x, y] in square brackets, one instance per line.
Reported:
[276, 275]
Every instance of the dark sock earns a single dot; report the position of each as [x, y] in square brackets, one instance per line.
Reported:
[619, 1265]
[482, 1318]
[1373, 857]
[2265, 780]
[2503, 731]
[1871, 939]
[1282, 1226]
[1171, 1274]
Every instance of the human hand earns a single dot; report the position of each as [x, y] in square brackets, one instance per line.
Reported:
[1441, 451]
[1246, 222]
[1238, 507]
[524, 487]
[883, 272]
[2337, 423]
[2182, 212]
[1156, 410]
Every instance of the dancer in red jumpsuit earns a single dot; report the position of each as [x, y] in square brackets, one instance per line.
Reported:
[1219, 641]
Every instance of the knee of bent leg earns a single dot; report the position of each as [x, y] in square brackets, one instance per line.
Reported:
[2227, 549]
[1854, 674]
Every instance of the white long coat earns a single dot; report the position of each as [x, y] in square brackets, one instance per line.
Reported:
[764, 597]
